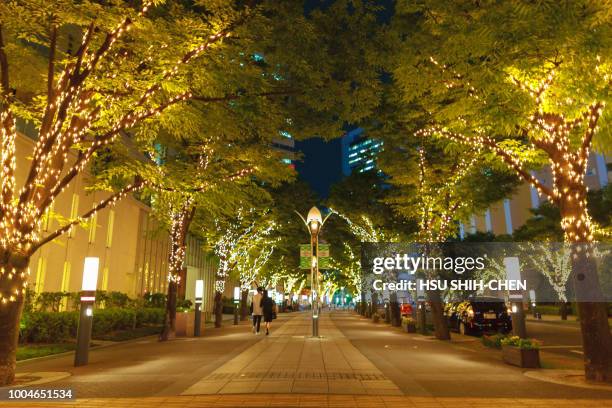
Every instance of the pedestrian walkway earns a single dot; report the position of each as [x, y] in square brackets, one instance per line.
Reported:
[291, 361]
[319, 401]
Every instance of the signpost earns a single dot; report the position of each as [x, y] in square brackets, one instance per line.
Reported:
[306, 256]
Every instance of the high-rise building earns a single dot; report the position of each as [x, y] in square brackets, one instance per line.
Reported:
[286, 145]
[359, 152]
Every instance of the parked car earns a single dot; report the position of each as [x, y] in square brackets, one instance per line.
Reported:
[479, 315]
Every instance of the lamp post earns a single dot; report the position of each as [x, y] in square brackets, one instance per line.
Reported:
[88, 297]
[236, 301]
[513, 272]
[199, 295]
[314, 222]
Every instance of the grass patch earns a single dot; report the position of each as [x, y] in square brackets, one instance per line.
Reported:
[28, 351]
[123, 335]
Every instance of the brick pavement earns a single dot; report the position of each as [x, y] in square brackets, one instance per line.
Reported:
[315, 400]
[291, 361]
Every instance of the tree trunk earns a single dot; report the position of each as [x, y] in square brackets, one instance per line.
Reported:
[374, 305]
[563, 310]
[362, 304]
[244, 308]
[218, 309]
[181, 221]
[169, 330]
[592, 309]
[441, 330]
[11, 307]
[394, 309]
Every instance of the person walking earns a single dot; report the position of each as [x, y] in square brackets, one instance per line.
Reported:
[268, 306]
[257, 310]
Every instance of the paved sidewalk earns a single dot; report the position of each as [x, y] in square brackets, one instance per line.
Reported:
[290, 361]
[311, 400]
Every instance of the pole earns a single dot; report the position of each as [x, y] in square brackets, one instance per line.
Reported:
[422, 317]
[81, 357]
[198, 320]
[235, 313]
[518, 320]
[314, 282]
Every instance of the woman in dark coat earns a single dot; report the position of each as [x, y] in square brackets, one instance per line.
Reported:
[267, 305]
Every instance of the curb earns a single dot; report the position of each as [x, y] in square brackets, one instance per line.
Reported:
[571, 378]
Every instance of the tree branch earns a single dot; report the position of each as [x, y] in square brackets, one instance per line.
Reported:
[506, 156]
[231, 97]
[136, 185]
[4, 71]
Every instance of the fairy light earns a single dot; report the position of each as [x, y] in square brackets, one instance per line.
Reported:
[551, 133]
[249, 265]
[76, 113]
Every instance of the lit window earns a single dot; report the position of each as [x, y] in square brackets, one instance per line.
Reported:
[109, 231]
[73, 213]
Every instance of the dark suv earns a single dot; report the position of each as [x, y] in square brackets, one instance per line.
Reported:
[479, 315]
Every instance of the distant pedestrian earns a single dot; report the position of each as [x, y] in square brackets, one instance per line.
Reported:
[257, 310]
[268, 307]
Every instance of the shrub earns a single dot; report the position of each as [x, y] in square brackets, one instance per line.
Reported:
[154, 300]
[48, 327]
[50, 301]
[184, 304]
[494, 341]
[56, 327]
[525, 344]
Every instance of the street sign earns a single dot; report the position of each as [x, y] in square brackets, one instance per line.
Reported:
[306, 256]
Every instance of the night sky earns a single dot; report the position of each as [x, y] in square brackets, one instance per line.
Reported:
[321, 163]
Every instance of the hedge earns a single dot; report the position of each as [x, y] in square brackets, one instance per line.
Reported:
[55, 327]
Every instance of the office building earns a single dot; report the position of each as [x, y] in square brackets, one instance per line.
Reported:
[359, 152]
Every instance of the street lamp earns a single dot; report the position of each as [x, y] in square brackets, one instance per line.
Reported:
[513, 272]
[236, 301]
[199, 295]
[314, 222]
[88, 297]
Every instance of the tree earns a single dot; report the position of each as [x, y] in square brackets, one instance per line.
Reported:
[252, 259]
[530, 90]
[362, 215]
[105, 71]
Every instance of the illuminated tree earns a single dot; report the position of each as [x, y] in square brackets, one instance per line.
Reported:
[253, 257]
[106, 71]
[530, 91]
[232, 239]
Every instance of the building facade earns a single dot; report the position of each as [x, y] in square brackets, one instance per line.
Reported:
[506, 216]
[130, 243]
[359, 152]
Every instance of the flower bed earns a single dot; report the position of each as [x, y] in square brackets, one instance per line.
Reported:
[521, 352]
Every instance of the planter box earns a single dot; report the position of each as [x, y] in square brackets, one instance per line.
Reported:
[185, 324]
[521, 357]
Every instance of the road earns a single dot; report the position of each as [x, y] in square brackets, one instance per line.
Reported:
[423, 366]
[557, 337]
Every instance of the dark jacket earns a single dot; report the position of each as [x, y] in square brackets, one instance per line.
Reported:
[268, 307]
